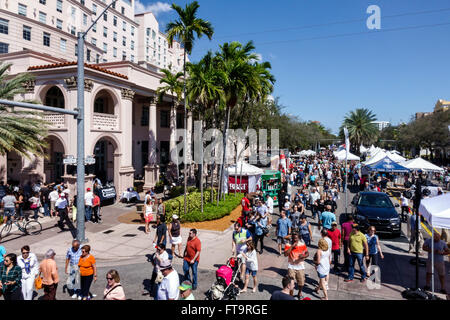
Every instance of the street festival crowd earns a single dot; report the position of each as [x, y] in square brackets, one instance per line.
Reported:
[310, 189]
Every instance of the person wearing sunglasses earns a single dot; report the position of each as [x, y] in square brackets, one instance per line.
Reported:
[11, 278]
[113, 290]
[88, 271]
[30, 269]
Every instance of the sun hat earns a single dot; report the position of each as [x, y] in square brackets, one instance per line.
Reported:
[175, 217]
[185, 285]
[165, 264]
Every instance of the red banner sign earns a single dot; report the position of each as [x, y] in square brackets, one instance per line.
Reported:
[240, 186]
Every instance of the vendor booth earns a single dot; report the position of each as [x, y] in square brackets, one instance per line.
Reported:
[436, 211]
[242, 177]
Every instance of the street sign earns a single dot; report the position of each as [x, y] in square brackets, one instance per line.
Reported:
[70, 160]
[89, 160]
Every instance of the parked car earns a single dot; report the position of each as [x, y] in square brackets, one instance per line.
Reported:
[376, 209]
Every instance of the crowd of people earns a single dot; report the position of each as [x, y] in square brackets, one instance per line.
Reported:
[308, 202]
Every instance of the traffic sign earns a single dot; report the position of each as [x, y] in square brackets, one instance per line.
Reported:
[70, 160]
[89, 160]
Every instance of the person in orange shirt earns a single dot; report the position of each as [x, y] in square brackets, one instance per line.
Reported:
[297, 252]
[49, 272]
[88, 271]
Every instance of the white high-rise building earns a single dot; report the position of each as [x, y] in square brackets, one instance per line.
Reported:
[381, 124]
[128, 131]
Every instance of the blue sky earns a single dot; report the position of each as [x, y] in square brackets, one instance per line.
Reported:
[395, 74]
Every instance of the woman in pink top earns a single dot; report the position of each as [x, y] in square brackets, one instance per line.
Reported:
[114, 290]
[346, 230]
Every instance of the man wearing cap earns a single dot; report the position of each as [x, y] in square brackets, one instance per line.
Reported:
[63, 212]
[186, 291]
[357, 246]
[159, 257]
[168, 288]
[335, 235]
[88, 202]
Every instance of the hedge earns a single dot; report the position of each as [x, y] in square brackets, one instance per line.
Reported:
[210, 210]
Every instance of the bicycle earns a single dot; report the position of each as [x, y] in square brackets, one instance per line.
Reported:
[31, 227]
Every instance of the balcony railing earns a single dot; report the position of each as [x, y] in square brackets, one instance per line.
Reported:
[56, 120]
[106, 122]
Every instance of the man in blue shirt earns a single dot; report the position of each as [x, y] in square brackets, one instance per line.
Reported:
[2, 254]
[72, 257]
[327, 218]
[283, 229]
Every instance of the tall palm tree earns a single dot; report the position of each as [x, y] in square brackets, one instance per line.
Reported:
[184, 29]
[20, 131]
[361, 130]
[173, 87]
[203, 87]
[234, 60]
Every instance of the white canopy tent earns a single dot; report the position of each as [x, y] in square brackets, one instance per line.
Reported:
[307, 153]
[422, 164]
[252, 173]
[376, 157]
[436, 210]
[341, 156]
[363, 149]
[395, 157]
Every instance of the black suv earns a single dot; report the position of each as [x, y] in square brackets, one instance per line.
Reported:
[376, 209]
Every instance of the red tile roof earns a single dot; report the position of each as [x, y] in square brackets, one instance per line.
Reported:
[74, 63]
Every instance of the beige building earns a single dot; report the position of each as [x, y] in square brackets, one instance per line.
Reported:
[127, 132]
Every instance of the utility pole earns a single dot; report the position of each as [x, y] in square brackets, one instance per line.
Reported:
[80, 130]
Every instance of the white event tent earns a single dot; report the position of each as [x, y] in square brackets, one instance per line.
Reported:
[422, 164]
[340, 155]
[436, 211]
[395, 157]
[251, 177]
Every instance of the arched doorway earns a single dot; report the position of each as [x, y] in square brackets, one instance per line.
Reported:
[53, 163]
[104, 167]
[54, 98]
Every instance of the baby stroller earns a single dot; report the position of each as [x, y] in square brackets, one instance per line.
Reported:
[225, 288]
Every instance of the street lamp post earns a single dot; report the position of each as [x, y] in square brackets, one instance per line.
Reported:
[80, 130]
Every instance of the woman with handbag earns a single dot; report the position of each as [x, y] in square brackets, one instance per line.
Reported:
[113, 290]
[30, 269]
[88, 271]
[11, 278]
[35, 204]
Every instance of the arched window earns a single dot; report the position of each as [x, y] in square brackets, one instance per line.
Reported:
[54, 98]
[104, 103]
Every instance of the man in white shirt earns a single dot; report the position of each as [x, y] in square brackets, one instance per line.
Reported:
[88, 202]
[53, 197]
[405, 207]
[168, 288]
[314, 198]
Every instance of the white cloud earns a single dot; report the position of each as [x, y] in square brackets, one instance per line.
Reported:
[155, 8]
[258, 58]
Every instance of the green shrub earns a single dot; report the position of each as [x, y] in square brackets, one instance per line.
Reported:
[210, 210]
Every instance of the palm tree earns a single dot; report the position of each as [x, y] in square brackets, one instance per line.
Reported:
[184, 29]
[22, 132]
[361, 130]
[203, 89]
[234, 60]
[174, 88]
